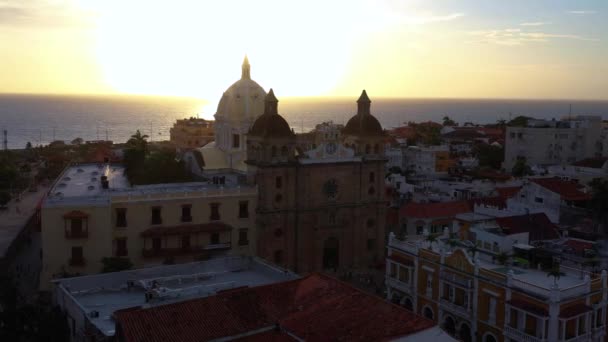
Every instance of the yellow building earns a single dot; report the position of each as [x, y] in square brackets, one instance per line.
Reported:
[191, 133]
[478, 300]
[92, 213]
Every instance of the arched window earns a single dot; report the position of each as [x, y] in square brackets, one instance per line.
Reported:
[427, 312]
[371, 190]
[278, 257]
[284, 151]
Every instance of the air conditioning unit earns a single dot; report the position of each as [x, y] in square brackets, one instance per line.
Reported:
[94, 314]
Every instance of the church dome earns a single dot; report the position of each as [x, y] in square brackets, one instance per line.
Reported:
[242, 100]
[363, 123]
[271, 124]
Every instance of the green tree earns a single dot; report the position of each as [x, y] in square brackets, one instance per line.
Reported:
[519, 121]
[555, 272]
[520, 168]
[77, 141]
[138, 141]
[135, 156]
[447, 121]
[490, 156]
[116, 264]
[28, 146]
[5, 197]
[431, 238]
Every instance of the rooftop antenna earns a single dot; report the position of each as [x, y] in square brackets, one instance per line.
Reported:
[5, 141]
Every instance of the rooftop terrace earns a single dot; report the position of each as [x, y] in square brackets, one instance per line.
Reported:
[99, 296]
[573, 282]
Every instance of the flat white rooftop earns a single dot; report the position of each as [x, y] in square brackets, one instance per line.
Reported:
[99, 296]
[84, 180]
[81, 185]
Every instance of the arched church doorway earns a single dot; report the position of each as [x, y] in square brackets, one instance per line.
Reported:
[407, 303]
[331, 253]
[449, 325]
[465, 333]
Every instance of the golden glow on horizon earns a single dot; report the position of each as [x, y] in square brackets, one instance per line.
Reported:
[300, 48]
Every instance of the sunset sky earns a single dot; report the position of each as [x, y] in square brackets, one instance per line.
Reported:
[472, 49]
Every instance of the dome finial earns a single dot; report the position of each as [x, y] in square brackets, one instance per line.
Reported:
[271, 103]
[363, 104]
[246, 69]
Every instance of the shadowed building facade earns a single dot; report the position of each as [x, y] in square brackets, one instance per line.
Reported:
[323, 208]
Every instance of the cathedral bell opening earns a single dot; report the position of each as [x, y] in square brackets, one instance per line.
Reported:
[331, 254]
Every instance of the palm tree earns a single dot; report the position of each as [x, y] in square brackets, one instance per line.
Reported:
[555, 273]
[138, 141]
[473, 249]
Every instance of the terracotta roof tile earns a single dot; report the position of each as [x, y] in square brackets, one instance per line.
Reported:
[537, 225]
[314, 308]
[508, 192]
[595, 163]
[579, 246]
[568, 190]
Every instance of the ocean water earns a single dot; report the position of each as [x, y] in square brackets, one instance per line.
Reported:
[42, 119]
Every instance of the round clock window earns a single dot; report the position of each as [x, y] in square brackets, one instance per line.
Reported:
[331, 148]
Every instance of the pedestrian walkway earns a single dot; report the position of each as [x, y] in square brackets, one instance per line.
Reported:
[15, 217]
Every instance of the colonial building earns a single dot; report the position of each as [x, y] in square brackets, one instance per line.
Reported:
[92, 213]
[476, 299]
[191, 133]
[323, 208]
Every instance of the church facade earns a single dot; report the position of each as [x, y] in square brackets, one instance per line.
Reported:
[321, 203]
[322, 208]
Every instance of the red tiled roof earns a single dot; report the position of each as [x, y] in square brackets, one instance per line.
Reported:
[537, 225]
[313, 308]
[568, 190]
[595, 163]
[186, 228]
[435, 210]
[579, 246]
[392, 216]
[508, 192]
[574, 310]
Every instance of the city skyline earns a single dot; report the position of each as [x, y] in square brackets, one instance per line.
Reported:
[453, 49]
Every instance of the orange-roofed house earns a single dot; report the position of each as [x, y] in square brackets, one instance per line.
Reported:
[549, 195]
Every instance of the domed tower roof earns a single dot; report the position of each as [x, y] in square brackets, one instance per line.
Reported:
[270, 124]
[363, 123]
[242, 100]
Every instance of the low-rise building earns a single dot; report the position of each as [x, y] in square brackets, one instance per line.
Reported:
[416, 218]
[476, 299]
[584, 171]
[313, 308]
[191, 132]
[91, 302]
[92, 213]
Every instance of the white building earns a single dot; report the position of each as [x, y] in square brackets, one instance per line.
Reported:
[240, 105]
[545, 142]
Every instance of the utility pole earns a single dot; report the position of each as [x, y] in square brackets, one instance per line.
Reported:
[5, 141]
[107, 135]
[53, 133]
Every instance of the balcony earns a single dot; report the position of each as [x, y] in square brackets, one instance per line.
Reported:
[518, 335]
[82, 234]
[580, 338]
[77, 262]
[399, 285]
[455, 308]
[455, 279]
